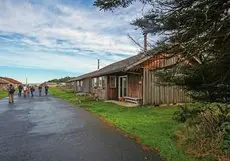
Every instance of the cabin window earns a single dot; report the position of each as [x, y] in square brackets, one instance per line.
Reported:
[81, 83]
[101, 82]
[112, 82]
[94, 82]
[77, 83]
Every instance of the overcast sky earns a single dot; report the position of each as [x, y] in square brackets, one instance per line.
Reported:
[45, 39]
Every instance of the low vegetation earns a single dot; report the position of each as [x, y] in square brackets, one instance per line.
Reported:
[3, 94]
[152, 126]
[207, 132]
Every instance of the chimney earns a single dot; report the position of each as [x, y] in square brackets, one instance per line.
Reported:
[145, 41]
[98, 63]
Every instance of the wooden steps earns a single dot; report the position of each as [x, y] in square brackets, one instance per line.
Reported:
[132, 100]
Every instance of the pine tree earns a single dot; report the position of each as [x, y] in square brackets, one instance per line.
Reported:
[195, 30]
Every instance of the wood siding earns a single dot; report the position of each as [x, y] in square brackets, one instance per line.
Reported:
[100, 92]
[71, 85]
[3, 86]
[85, 88]
[134, 85]
[158, 61]
[153, 91]
[112, 92]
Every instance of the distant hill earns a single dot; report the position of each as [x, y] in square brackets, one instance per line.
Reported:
[61, 80]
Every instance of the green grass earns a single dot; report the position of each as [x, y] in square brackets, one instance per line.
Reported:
[153, 126]
[3, 94]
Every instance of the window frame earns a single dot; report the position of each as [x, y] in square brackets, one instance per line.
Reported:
[110, 82]
[94, 82]
[81, 83]
[101, 82]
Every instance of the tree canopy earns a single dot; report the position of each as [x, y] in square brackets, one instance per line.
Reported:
[196, 30]
[61, 80]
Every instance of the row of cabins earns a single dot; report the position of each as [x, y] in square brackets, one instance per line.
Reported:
[132, 79]
[5, 81]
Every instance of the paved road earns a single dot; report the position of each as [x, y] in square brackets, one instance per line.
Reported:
[48, 129]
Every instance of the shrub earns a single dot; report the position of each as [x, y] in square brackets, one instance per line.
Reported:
[210, 122]
[186, 113]
[226, 137]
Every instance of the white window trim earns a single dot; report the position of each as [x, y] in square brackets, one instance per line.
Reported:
[94, 83]
[100, 82]
[81, 83]
[119, 83]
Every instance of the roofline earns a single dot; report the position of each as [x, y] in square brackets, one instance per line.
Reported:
[110, 72]
[77, 78]
[71, 80]
[149, 56]
[10, 80]
[94, 74]
[2, 81]
[138, 62]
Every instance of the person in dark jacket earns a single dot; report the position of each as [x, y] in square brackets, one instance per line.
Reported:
[40, 90]
[20, 88]
[32, 89]
[46, 89]
[11, 91]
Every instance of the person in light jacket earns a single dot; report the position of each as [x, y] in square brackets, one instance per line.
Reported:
[11, 91]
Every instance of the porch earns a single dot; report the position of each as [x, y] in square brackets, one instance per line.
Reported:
[125, 87]
[125, 104]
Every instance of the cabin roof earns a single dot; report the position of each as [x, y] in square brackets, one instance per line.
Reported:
[117, 66]
[11, 80]
[112, 68]
[120, 66]
[87, 75]
[2, 81]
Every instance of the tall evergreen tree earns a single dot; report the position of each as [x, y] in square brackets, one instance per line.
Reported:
[195, 30]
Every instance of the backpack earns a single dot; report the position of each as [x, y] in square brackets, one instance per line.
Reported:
[12, 90]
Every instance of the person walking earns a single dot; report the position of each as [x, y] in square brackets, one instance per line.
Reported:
[20, 90]
[32, 89]
[25, 90]
[46, 89]
[40, 90]
[11, 91]
[28, 90]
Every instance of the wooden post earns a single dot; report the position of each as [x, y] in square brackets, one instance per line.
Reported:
[145, 42]
[98, 63]
[144, 87]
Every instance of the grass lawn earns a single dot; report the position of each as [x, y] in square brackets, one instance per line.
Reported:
[3, 94]
[153, 126]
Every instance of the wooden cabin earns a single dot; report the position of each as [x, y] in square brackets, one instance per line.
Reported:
[5, 81]
[3, 84]
[80, 84]
[133, 80]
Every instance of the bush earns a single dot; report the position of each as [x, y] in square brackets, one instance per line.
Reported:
[84, 98]
[226, 137]
[210, 122]
[186, 113]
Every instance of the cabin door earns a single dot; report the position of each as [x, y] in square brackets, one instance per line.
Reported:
[122, 86]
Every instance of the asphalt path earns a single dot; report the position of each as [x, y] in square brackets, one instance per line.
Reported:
[48, 129]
